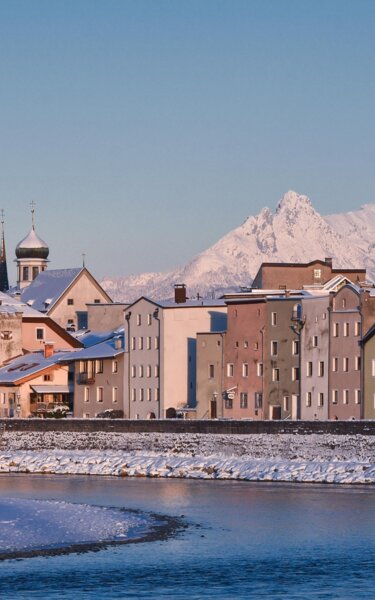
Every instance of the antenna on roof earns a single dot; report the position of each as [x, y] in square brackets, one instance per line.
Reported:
[32, 204]
[83, 259]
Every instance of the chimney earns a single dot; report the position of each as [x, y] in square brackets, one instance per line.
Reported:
[328, 261]
[48, 349]
[180, 293]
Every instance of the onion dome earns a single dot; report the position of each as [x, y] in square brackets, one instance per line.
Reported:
[32, 246]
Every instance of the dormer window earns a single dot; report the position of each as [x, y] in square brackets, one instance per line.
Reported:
[317, 273]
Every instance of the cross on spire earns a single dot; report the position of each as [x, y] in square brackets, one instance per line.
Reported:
[32, 204]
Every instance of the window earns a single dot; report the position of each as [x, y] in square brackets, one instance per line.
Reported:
[324, 316]
[320, 399]
[228, 403]
[275, 375]
[48, 377]
[35, 272]
[346, 329]
[156, 371]
[140, 371]
[139, 319]
[373, 367]
[156, 343]
[295, 347]
[343, 303]
[243, 400]
[286, 403]
[335, 396]
[315, 341]
[114, 366]
[246, 344]
[309, 369]
[295, 373]
[345, 364]
[273, 348]
[274, 319]
[86, 394]
[245, 370]
[148, 371]
[230, 370]
[25, 274]
[70, 301]
[321, 368]
[308, 398]
[134, 371]
[6, 334]
[149, 395]
[335, 330]
[114, 394]
[99, 394]
[134, 394]
[260, 369]
[157, 394]
[141, 394]
[211, 371]
[140, 343]
[148, 342]
[357, 360]
[345, 396]
[149, 319]
[133, 343]
[357, 328]
[39, 333]
[357, 396]
[83, 366]
[97, 301]
[317, 273]
[98, 366]
[258, 399]
[335, 363]
[86, 416]
[255, 346]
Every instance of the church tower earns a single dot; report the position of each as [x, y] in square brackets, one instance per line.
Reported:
[4, 282]
[32, 253]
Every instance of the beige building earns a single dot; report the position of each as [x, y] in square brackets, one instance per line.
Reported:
[210, 375]
[160, 370]
[63, 295]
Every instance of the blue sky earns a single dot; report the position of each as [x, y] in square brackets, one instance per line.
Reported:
[145, 130]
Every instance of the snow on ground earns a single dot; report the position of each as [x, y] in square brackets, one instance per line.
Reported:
[27, 524]
[322, 458]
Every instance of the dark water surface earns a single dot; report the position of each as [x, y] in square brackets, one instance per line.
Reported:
[244, 540]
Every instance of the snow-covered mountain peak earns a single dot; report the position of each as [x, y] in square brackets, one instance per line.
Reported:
[294, 232]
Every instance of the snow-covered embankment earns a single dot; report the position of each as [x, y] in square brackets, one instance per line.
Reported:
[318, 458]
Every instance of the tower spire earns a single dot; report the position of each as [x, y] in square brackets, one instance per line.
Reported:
[4, 282]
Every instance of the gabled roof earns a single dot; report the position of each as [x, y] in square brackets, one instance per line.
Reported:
[28, 366]
[50, 285]
[202, 302]
[47, 288]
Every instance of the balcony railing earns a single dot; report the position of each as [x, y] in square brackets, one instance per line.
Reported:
[85, 378]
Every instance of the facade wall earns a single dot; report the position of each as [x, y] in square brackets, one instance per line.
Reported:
[105, 317]
[10, 336]
[282, 363]
[314, 358]
[369, 378]
[82, 292]
[345, 374]
[89, 401]
[180, 326]
[210, 373]
[368, 311]
[296, 276]
[244, 361]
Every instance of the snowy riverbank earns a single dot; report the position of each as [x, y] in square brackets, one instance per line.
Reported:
[263, 457]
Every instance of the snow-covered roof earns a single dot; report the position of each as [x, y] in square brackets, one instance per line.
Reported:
[29, 364]
[47, 288]
[106, 349]
[88, 338]
[11, 305]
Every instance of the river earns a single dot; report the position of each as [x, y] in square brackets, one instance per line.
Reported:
[239, 540]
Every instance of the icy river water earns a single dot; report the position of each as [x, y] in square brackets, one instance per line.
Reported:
[239, 539]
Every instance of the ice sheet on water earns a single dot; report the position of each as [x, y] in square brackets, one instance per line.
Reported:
[29, 524]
